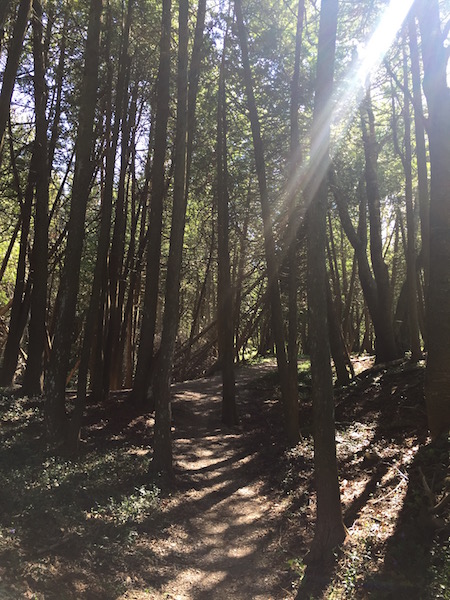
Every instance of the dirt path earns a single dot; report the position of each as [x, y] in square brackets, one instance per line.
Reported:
[223, 539]
[241, 511]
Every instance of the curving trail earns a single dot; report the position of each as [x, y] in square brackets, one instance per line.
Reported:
[222, 538]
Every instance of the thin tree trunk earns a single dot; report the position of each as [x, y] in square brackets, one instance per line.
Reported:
[55, 381]
[421, 156]
[113, 358]
[57, 105]
[413, 318]
[33, 377]
[162, 445]
[95, 315]
[289, 391]
[20, 307]
[224, 289]
[385, 344]
[10, 248]
[16, 179]
[148, 325]
[296, 160]
[358, 239]
[240, 273]
[111, 376]
[329, 529]
[194, 76]
[338, 349]
[199, 298]
[97, 311]
[346, 317]
[435, 59]
[12, 64]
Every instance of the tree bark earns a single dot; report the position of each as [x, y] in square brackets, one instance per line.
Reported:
[57, 105]
[435, 59]
[93, 324]
[413, 317]
[148, 325]
[224, 289]
[296, 161]
[289, 389]
[338, 349]
[162, 445]
[20, 305]
[112, 363]
[55, 381]
[385, 343]
[421, 151]
[12, 64]
[33, 377]
[358, 239]
[329, 529]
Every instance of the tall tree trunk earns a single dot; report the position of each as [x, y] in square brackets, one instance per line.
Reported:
[194, 76]
[11, 245]
[57, 104]
[55, 381]
[20, 304]
[110, 375]
[338, 349]
[94, 320]
[148, 325]
[358, 239]
[33, 377]
[421, 155]
[97, 311]
[385, 344]
[289, 391]
[162, 446]
[240, 273]
[329, 529]
[435, 59]
[413, 317]
[12, 64]
[296, 160]
[224, 289]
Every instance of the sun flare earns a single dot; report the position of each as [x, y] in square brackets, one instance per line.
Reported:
[383, 36]
[341, 108]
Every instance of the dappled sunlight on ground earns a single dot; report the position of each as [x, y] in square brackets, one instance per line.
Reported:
[239, 517]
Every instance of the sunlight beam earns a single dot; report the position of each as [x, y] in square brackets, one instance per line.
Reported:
[341, 108]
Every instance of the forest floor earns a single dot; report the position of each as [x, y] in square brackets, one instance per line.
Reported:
[239, 517]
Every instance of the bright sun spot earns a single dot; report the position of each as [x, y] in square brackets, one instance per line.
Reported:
[390, 23]
[341, 109]
[370, 57]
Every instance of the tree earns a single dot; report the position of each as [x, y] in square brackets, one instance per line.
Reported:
[421, 151]
[329, 529]
[385, 342]
[21, 298]
[162, 447]
[112, 358]
[289, 391]
[224, 289]
[411, 278]
[296, 163]
[12, 64]
[435, 59]
[55, 381]
[158, 186]
[33, 377]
